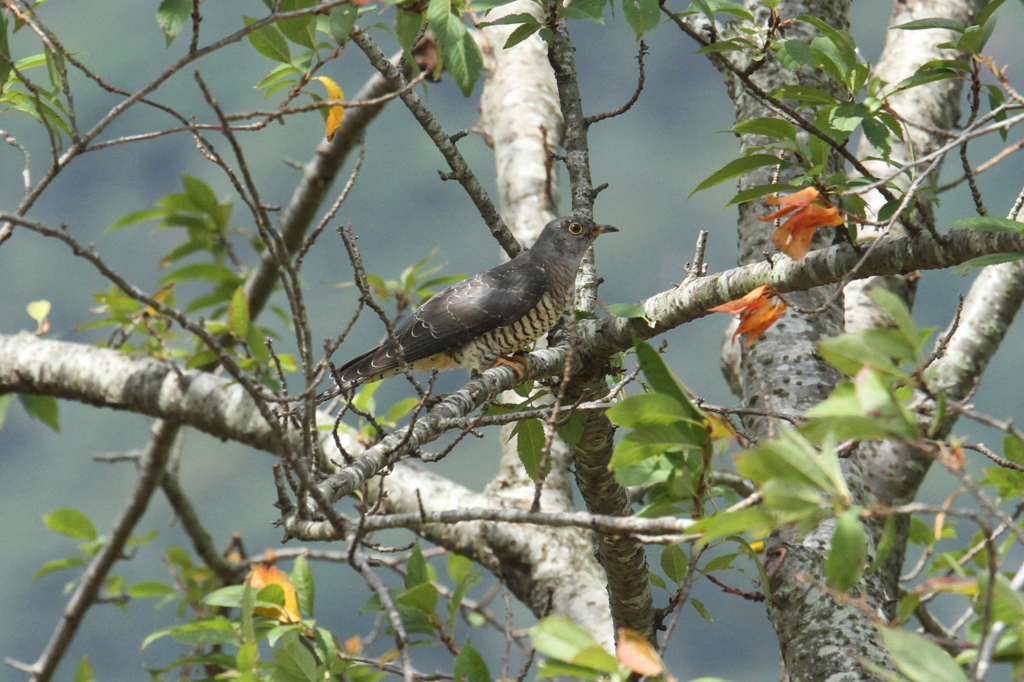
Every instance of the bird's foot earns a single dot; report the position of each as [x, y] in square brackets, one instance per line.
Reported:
[519, 364]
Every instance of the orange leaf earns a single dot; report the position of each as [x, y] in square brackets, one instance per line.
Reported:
[804, 197]
[260, 577]
[790, 202]
[337, 112]
[637, 654]
[757, 322]
[758, 311]
[751, 300]
[793, 238]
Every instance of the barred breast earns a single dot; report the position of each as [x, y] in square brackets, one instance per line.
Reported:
[480, 353]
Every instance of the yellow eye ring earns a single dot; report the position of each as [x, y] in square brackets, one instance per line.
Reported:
[575, 228]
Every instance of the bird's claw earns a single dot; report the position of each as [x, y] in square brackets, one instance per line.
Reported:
[519, 364]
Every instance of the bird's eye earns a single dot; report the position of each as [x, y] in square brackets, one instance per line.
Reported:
[575, 228]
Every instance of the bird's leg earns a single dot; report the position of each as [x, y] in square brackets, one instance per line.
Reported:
[519, 364]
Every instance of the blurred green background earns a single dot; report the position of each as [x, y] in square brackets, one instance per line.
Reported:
[651, 158]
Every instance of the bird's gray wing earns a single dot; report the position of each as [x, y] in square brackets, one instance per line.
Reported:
[460, 313]
[472, 308]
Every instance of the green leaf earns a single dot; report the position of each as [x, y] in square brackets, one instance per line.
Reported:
[754, 556]
[924, 76]
[675, 563]
[5, 402]
[248, 655]
[172, 15]
[702, 610]
[519, 18]
[849, 352]
[207, 271]
[846, 117]
[879, 136]
[898, 311]
[269, 42]
[199, 193]
[553, 668]
[719, 563]
[571, 431]
[256, 340]
[305, 588]
[470, 666]
[84, 671]
[627, 310]
[848, 552]
[769, 127]
[642, 15]
[460, 568]
[757, 193]
[423, 598]
[661, 378]
[300, 30]
[806, 94]
[754, 520]
[530, 440]
[793, 53]
[247, 603]
[732, 45]
[583, 10]
[57, 565]
[522, 33]
[230, 596]
[1013, 448]
[5, 53]
[791, 457]
[462, 57]
[648, 408]
[987, 11]
[990, 224]
[417, 573]
[464, 61]
[649, 441]
[38, 310]
[343, 19]
[885, 545]
[935, 22]
[71, 522]
[295, 663]
[560, 638]
[402, 408]
[736, 168]
[238, 314]
[407, 25]
[42, 407]
[841, 41]
[150, 588]
[1007, 603]
[985, 261]
[920, 659]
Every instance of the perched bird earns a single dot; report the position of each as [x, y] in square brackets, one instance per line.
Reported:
[477, 321]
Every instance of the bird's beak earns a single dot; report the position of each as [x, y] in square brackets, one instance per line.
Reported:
[601, 229]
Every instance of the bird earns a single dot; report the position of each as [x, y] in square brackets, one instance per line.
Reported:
[477, 322]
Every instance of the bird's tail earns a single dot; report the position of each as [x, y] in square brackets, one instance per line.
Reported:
[367, 367]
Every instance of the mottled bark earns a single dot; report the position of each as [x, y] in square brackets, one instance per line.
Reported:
[621, 556]
[894, 471]
[821, 638]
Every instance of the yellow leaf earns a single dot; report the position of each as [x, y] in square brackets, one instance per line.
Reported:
[637, 654]
[38, 310]
[260, 577]
[160, 297]
[337, 112]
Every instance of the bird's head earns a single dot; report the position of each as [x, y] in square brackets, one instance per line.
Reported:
[570, 235]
